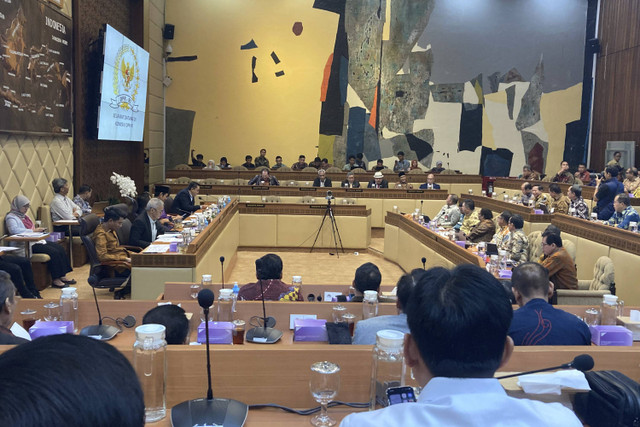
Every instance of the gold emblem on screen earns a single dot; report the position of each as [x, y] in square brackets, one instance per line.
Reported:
[126, 79]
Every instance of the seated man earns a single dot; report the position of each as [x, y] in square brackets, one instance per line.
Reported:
[322, 180]
[366, 330]
[556, 259]
[402, 182]
[197, 160]
[162, 192]
[537, 322]
[351, 163]
[469, 217]
[367, 278]
[278, 164]
[540, 198]
[173, 318]
[624, 213]
[458, 340]
[79, 368]
[501, 238]
[82, 199]
[583, 174]
[317, 163]
[430, 184]
[269, 275]
[324, 164]
[63, 208]
[378, 181]
[438, 168]
[449, 215]
[527, 194]
[559, 202]
[631, 181]
[224, 164]
[485, 229]
[351, 181]
[265, 178]
[529, 174]
[563, 174]
[360, 161]
[8, 305]
[401, 164]
[379, 166]
[108, 246]
[247, 162]
[146, 227]
[300, 164]
[261, 160]
[578, 207]
[518, 244]
[185, 201]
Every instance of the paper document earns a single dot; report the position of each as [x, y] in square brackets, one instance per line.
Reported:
[20, 332]
[32, 235]
[169, 239]
[156, 249]
[7, 248]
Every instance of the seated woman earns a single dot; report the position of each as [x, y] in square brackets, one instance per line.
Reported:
[108, 247]
[485, 229]
[211, 165]
[18, 222]
[7, 308]
[414, 165]
[269, 275]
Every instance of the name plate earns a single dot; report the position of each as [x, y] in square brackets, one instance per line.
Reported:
[308, 188]
[354, 190]
[206, 187]
[415, 191]
[260, 187]
[317, 206]
[255, 205]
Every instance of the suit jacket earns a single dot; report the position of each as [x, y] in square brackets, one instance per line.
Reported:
[345, 184]
[258, 178]
[435, 186]
[140, 234]
[182, 203]
[327, 182]
[383, 184]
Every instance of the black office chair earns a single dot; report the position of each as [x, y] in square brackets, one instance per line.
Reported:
[101, 273]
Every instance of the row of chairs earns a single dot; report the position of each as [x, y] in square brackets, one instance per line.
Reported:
[332, 169]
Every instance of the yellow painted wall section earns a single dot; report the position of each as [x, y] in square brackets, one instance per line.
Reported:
[234, 116]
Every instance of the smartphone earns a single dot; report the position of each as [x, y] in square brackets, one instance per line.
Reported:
[400, 395]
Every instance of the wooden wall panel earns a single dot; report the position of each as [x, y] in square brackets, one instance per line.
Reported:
[616, 112]
[95, 160]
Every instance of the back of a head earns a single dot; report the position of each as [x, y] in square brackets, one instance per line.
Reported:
[551, 229]
[506, 216]
[406, 284]
[555, 189]
[269, 267]
[171, 317]
[159, 190]
[486, 213]
[367, 278]
[7, 289]
[459, 320]
[113, 213]
[531, 280]
[517, 221]
[76, 381]
[553, 239]
[470, 204]
[612, 170]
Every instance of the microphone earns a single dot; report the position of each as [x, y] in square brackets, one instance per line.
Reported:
[265, 334]
[222, 267]
[209, 411]
[424, 263]
[100, 331]
[582, 362]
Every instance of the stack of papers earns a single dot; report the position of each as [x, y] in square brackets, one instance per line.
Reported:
[32, 235]
[156, 249]
[169, 238]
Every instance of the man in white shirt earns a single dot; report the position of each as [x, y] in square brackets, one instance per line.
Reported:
[449, 215]
[459, 321]
[62, 207]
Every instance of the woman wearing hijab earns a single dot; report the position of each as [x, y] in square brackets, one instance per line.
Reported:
[18, 222]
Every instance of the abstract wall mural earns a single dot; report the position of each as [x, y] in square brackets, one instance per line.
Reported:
[484, 87]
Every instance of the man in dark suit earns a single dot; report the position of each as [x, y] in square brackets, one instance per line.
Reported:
[184, 203]
[321, 180]
[430, 184]
[146, 226]
[351, 181]
[378, 181]
[265, 178]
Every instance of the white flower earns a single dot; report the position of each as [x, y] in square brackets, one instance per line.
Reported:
[125, 184]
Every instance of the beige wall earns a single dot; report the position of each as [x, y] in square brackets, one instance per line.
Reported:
[235, 117]
[28, 163]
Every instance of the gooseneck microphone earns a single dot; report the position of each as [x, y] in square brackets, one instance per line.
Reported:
[424, 263]
[100, 331]
[265, 334]
[222, 267]
[582, 362]
[209, 411]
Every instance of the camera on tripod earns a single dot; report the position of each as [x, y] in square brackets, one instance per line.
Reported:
[329, 195]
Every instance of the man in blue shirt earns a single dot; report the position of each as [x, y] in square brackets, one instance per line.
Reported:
[606, 191]
[537, 322]
[402, 164]
[624, 214]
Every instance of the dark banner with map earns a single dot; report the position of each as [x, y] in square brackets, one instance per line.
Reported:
[35, 68]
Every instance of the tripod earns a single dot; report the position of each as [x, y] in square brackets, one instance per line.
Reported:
[334, 228]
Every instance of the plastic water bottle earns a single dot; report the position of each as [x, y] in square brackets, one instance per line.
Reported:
[69, 306]
[225, 305]
[370, 304]
[388, 367]
[150, 363]
[236, 291]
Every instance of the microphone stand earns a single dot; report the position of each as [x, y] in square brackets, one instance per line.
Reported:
[222, 267]
[206, 327]
[100, 331]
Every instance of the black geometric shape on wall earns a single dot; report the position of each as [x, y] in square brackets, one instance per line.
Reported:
[332, 111]
[254, 78]
[575, 142]
[495, 162]
[336, 6]
[511, 96]
[470, 127]
[279, 73]
[275, 58]
[355, 133]
[251, 45]
[421, 147]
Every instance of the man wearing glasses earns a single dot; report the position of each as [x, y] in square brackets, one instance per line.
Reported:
[146, 227]
[556, 259]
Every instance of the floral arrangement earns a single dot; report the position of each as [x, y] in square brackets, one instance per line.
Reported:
[126, 185]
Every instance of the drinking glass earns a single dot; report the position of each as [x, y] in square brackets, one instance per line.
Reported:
[324, 385]
[52, 312]
[194, 290]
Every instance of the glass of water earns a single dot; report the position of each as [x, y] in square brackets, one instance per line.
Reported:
[324, 386]
[194, 290]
